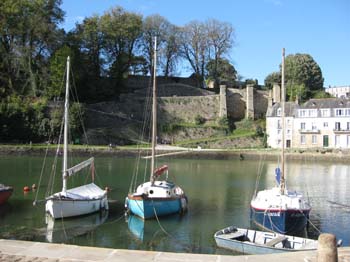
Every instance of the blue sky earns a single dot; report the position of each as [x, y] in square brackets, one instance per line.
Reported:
[320, 28]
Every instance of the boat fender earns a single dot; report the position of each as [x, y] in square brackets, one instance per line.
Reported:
[33, 186]
[26, 189]
[183, 204]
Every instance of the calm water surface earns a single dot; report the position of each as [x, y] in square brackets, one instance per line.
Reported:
[219, 193]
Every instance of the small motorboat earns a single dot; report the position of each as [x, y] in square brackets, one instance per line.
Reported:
[250, 241]
[5, 193]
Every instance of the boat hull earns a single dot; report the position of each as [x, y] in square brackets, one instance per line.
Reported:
[147, 208]
[5, 194]
[249, 241]
[280, 221]
[247, 247]
[61, 208]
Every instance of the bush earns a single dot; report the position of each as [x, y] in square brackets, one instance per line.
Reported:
[199, 120]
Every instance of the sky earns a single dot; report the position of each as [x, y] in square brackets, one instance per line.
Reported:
[320, 28]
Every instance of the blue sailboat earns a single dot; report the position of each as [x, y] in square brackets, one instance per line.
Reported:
[156, 197]
[279, 209]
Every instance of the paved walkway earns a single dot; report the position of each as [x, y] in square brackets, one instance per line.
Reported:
[25, 251]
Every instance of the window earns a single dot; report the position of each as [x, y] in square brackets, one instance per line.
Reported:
[348, 141]
[325, 124]
[302, 126]
[302, 139]
[337, 126]
[337, 141]
[302, 113]
[279, 124]
[325, 113]
[279, 110]
[312, 112]
[314, 126]
[348, 125]
[314, 139]
[339, 112]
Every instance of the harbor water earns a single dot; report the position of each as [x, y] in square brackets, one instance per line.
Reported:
[219, 194]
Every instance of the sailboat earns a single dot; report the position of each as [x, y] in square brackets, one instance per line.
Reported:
[155, 197]
[80, 200]
[279, 209]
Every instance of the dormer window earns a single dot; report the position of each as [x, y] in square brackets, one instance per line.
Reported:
[279, 111]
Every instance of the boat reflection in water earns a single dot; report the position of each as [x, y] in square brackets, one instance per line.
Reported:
[143, 230]
[61, 230]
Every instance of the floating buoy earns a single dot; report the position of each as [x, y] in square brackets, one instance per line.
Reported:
[33, 186]
[26, 189]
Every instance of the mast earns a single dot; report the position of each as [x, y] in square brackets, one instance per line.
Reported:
[283, 184]
[154, 110]
[65, 134]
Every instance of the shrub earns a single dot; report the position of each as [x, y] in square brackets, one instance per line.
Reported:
[199, 120]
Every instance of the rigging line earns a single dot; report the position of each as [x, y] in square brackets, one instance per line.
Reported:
[167, 233]
[146, 117]
[42, 171]
[54, 165]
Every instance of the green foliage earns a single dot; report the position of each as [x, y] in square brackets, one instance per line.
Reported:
[22, 120]
[223, 122]
[301, 69]
[296, 90]
[199, 120]
[221, 70]
[273, 78]
[321, 94]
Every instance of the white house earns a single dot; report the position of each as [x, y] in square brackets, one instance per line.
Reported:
[339, 91]
[319, 123]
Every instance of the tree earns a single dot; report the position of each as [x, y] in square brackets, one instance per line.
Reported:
[302, 70]
[220, 41]
[171, 52]
[153, 26]
[120, 31]
[273, 78]
[29, 33]
[58, 63]
[202, 42]
[222, 71]
[194, 48]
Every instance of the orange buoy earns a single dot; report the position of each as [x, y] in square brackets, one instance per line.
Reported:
[26, 189]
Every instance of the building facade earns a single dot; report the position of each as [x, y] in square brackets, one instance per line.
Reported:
[339, 91]
[319, 123]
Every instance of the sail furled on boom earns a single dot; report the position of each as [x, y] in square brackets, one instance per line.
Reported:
[71, 171]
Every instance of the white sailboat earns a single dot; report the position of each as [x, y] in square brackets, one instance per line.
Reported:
[80, 200]
[156, 197]
[279, 209]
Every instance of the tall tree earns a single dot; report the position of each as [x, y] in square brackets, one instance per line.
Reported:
[29, 30]
[171, 51]
[220, 38]
[120, 31]
[194, 48]
[301, 70]
[153, 26]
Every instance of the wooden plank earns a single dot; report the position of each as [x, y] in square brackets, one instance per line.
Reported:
[275, 241]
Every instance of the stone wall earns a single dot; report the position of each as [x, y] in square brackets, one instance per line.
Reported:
[135, 82]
